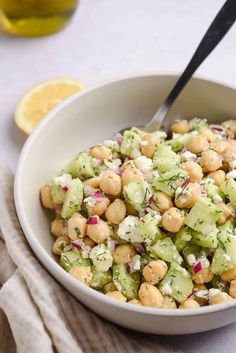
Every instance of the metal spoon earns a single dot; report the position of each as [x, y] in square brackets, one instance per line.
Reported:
[217, 30]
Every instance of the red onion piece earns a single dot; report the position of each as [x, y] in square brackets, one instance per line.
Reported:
[197, 267]
[185, 182]
[117, 137]
[217, 128]
[150, 199]
[140, 248]
[58, 206]
[184, 150]
[76, 245]
[65, 188]
[192, 294]
[93, 220]
[97, 195]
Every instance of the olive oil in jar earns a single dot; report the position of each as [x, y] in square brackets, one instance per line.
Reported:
[35, 17]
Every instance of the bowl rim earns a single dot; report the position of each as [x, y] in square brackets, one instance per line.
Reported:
[48, 262]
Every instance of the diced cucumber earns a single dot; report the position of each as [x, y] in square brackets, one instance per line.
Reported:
[224, 257]
[229, 189]
[100, 279]
[137, 193]
[165, 159]
[177, 283]
[190, 249]
[59, 183]
[178, 143]
[72, 259]
[148, 226]
[205, 240]
[203, 216]
[73, 199]
[126, 283]
[131, 141]
[182, 237]
[169, 181]
[80, 167]
[214, 193]
[165, 250]
[198, 124]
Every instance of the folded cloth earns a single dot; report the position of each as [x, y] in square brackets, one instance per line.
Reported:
[42, 316]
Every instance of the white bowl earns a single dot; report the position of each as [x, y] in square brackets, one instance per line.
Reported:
[88, 118]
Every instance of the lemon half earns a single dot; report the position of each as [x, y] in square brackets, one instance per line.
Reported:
[42, 98]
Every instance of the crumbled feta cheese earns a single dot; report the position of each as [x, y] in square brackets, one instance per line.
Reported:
[217, 198]
[213, 292]
[166, 289]
[204, 262]
[129, 230]
[88, 190]
[112, 144]
[90, 201]
[96, 162]
[135, 263]
[111, 244]
[208, 180]
[175, 135]
[191, 259]
[231, 174]
[184, 271]
[101, 257]
[189, 156]
[64, 180]
[202, 294]
[135, 153]
[144, 164]
[226, 257]
[160, 135]
[232, 164]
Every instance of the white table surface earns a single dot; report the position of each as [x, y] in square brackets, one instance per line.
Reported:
[106, 39]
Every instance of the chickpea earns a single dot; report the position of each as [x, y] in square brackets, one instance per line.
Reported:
[161, 202]
[168, 303]
[189, 304]
[229, 275]
[77, 226]
[98, 232]
[219, 298]
[173, 219]
[60, 244]
[154, 271]
[58, 227]
[197, 144]
[100, 152]
[149, 295]
[116, 212]
[229, 154]
[230, 126]
[219, 146]
[130, 174]
[127, 164]
[180, 127]
[194, 170]
[149, 143]
[116, 295]
[93, 182]
[99, 207]
[88, 241]
[134, 301]
[210, 136]
[226, 213]
[110, 183]
[130, 210]
[46, 196]
[203, 276]
[82, 274]
[210, 161]
[188, 196]
[232, 289]
[109, 287]
[218, 176]
[124, 253]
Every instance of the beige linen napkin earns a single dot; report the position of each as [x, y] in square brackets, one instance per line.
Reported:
[38, 315]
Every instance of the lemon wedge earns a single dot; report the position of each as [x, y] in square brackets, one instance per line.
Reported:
[42, 98]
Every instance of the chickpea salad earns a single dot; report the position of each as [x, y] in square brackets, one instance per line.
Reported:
[150, 220]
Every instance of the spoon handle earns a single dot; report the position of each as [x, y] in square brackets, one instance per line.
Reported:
[218, 28]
